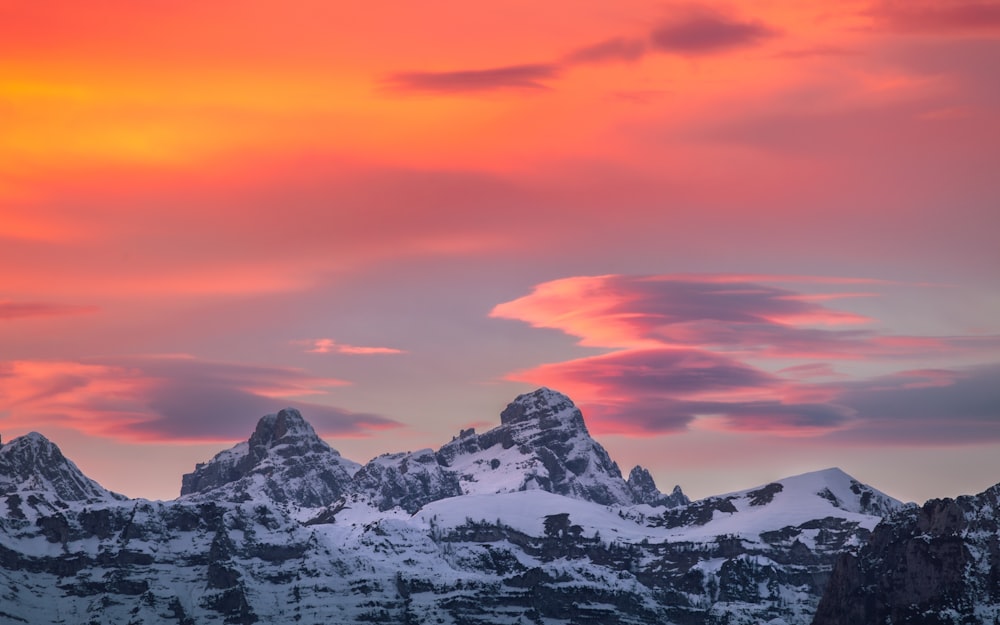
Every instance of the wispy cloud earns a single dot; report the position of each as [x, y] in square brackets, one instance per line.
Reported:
[168, 398]
[531, 77]
[609, 50]
[707, 32]
[934, 16]
[22, 310]
[329, 346]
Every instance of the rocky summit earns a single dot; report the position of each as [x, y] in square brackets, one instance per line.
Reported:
[529, 522]
[284, 461]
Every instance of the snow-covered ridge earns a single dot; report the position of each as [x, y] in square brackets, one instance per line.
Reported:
[530, 521]
[789, 502]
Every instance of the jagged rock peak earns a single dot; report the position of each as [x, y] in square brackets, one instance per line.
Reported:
[284, 427]
[644, 489]
[284, 460]
[33, 463]
[545, 407]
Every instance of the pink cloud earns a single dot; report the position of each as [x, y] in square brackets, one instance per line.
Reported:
[690, 350]
[167, 398]
[328, 346]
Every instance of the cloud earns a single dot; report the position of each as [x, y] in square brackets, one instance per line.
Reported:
[168, 398]
[665, 390]
[637, 311]
[722, 352]
[936, 17]
[609, 50]
[669, 372]
[816, 51]
[704, 32]
[951, 406]
[328, 346]
[532, 76]
[700, 32]
[22, 310]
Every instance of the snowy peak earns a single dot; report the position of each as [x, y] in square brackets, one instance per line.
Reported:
[32, 464]
[285, 427]
[545, 409]
[788, 502]
[541, 443]
[284, 460]
[842, 491]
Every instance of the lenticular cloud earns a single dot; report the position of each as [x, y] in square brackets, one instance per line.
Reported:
[741, 354]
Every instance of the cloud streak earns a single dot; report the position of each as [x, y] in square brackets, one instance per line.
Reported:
[168, 398]
[329, 346]
[699, 32]
[609, 50]
[519, 77]
[930, 16]
[23, 310]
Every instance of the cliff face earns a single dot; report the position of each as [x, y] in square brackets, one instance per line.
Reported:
[934, 565]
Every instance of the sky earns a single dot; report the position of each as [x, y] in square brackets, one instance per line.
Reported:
[749, 240]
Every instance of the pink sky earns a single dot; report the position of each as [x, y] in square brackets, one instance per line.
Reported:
[748, 240]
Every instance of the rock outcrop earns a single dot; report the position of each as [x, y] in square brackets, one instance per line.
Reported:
[934, 565]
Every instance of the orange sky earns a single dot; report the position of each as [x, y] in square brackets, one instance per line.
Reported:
[355, 207]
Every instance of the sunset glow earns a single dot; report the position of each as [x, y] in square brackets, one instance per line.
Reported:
[768, 222]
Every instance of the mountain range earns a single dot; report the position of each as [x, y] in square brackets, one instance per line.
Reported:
[531, 522]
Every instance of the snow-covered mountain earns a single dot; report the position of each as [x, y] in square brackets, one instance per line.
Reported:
[530, 522]
[543, 443]
[284, 461]
[32, 467]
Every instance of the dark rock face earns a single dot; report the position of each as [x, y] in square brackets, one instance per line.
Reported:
[933, 565]
[644, 490]
[284, 461]
[406, 480]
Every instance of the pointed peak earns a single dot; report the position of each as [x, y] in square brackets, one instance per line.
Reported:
[643, 487]
[547, 407]
[285, 425]
[34, 463]
[31, 438]
[32, 443]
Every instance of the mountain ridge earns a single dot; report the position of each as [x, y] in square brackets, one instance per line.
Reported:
[443, 536]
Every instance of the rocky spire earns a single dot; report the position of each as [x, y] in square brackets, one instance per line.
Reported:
[284, 460]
